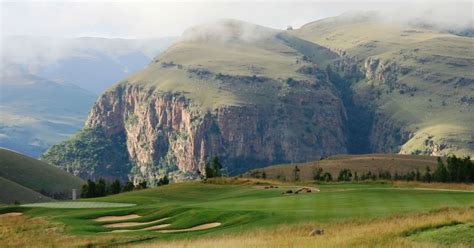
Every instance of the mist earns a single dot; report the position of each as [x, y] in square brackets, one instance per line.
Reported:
[40, 32]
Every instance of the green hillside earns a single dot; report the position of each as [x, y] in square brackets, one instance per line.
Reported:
[225, 63]
[240, 207]
[11, 192]
[418, 81]
[36, 175]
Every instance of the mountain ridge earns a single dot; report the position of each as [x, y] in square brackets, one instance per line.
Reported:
[288, 97]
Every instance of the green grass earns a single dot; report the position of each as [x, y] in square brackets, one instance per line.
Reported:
[35, 175]
[78, 205]
[243, 207]
[449, 235]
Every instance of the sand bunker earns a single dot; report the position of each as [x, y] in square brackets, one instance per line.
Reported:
[143, 229]
[116, 218]
[195, 228]
[12, 214]
[129, 224]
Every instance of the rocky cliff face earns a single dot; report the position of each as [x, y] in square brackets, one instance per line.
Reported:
[164, 129]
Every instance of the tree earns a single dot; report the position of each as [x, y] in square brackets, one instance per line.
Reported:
[89, 189]
[216, 166]
[327, 177]
[213, 169]
[317, 174]
[142, 185]
[209, 173]
[163, 181]
[344, 175]
[115, 187]
[100, 188]
[441, 173]
[128, 186]
[427, 175]
[264, 175]
[296, 173]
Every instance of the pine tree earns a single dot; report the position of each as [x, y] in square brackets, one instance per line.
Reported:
[441, 173]
[128, 186]
[115, 187]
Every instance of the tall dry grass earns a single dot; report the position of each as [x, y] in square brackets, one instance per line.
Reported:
[386, 232]
[455, 186]
[22, 231]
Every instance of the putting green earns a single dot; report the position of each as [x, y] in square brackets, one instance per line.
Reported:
[78, 205]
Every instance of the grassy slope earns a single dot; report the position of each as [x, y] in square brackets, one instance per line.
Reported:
[229, 54]
[11, 192]
[434, 62]
[362, 233]
[36, 175]
[246, 208]
[356, 163]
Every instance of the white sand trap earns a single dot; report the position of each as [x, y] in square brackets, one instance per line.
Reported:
[129, 224]
[12, 214]
[116, 218]
[194, 228]
[143, 229]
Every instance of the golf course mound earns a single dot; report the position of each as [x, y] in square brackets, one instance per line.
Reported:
[12, 214]
[151, 228]
[194, 228]
[78, 205]
[117, 217]
[129, 224]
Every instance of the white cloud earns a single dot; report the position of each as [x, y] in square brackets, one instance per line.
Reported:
[164, 18]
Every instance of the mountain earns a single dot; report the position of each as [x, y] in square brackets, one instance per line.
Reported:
[256, 96]
[417, 83]
[89, 62]
[37, 113]
[29, 180]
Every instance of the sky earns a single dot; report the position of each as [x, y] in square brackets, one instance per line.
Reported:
[146, 19]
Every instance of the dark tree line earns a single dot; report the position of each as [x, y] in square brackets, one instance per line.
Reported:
[101, 188]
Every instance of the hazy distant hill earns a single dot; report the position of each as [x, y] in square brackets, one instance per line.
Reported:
[257, 96]
[37, 113]
[90, 63]
[48, 84]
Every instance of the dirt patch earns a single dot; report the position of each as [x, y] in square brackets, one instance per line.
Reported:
[116, 218]
[194, 228]
[151, 228]
[12, 214]
[129, 224]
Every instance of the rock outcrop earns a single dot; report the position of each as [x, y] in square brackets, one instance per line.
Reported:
[164, 129]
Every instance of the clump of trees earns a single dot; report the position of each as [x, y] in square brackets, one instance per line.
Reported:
[456, 169]
[101, 188]
[213, 168]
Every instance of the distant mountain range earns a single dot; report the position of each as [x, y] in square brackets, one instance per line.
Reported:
[48, 85]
